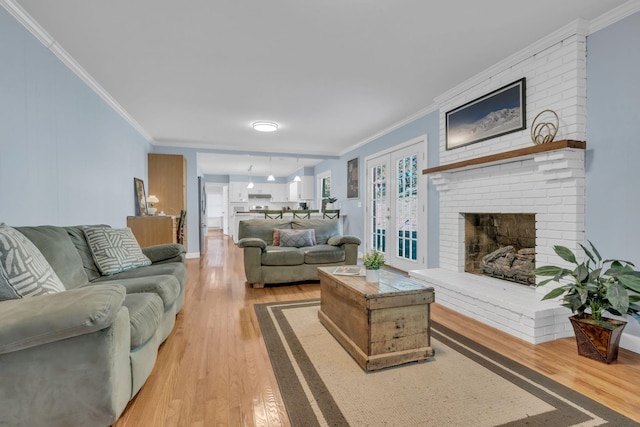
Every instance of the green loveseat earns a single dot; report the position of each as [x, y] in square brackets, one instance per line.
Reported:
[266, 263]
[76, 357]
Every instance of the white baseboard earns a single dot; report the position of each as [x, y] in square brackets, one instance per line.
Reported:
[193, 255]
[630, 342]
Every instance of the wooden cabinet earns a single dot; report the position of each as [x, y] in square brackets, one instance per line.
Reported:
[153, 230]
[379, 324]
[168, 182]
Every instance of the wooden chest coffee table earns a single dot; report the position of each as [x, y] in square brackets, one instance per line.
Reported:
[379, 324]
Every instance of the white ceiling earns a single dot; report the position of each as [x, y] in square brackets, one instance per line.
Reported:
[333, 73]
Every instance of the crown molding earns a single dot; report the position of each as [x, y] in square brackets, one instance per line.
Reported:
[614, 15]
[418, 114]
[204, 147]
[50, 43]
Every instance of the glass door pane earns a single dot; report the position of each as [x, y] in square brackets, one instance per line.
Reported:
[379, 207]
[406, 207]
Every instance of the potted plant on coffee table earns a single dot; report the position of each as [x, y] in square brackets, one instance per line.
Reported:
[588, 290]
[372, 261]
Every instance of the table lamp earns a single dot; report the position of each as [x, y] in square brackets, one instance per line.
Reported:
[151, 200]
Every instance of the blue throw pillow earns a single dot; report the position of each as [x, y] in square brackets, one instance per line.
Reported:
[296, 238]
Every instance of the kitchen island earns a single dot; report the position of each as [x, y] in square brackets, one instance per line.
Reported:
[259, 214]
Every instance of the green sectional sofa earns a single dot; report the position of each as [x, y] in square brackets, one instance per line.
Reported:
[270, 260]
[77, 355]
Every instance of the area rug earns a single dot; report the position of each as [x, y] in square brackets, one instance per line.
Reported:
[464, 384]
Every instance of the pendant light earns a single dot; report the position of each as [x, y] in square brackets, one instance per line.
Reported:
[270, 177]
[250, 185]
[297, 177]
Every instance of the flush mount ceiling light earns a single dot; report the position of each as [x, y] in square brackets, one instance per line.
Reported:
[265, 126]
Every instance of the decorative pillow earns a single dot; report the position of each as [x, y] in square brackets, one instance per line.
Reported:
[24, 271]
[295, 238]
[115, 249]
[276, 237]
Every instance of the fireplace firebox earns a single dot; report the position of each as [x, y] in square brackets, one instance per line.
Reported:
[501, 245]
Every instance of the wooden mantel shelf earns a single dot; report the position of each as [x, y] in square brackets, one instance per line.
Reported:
[528, 151]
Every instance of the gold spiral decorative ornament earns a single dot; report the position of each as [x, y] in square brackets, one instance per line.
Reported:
[545, 130]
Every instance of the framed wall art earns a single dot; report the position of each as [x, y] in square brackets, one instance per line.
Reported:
[140, 197]
[353, 176]
[497, 113]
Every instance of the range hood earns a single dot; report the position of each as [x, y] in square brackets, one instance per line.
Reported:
[260, 196]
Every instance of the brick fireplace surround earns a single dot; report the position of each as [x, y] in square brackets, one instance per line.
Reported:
[549, 184]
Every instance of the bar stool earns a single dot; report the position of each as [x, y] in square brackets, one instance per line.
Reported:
[331, 214]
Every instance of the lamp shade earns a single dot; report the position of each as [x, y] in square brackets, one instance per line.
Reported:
[152, 199]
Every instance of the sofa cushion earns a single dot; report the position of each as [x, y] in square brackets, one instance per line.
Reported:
[145, 313]
[323, 254]
[261, 228]
[24, 271]
[295, 238]
[176, 269]
[57, 247]
[115, 250]
[76, 234]
[278, 255]
[166, 286]
[324, 228]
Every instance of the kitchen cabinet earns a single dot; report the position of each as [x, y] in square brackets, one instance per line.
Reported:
[278, 192]
[293, 192]
[238, 192]
[301, 190]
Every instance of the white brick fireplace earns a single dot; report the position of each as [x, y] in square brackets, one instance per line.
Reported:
[549, 184]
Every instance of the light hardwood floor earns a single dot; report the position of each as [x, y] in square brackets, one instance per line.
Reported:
[214, 369]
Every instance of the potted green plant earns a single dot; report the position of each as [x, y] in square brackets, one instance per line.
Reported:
[329, 201]
[372, 261]
[588, 290]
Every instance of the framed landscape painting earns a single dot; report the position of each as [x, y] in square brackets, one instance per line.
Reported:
[497, 113]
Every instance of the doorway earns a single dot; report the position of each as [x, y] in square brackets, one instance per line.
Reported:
[396, 205]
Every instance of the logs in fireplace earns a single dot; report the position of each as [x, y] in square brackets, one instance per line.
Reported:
[505, 263]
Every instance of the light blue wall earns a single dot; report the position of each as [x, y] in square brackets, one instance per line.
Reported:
[65, 156]
[354, 221]
[613, 142]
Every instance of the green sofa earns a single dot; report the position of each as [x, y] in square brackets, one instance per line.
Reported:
[76, 357]
[265, 263]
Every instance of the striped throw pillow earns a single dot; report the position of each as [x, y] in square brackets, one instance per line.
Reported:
[24, 271]
[115, 249]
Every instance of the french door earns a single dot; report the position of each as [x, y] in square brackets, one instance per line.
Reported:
[396, 221]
